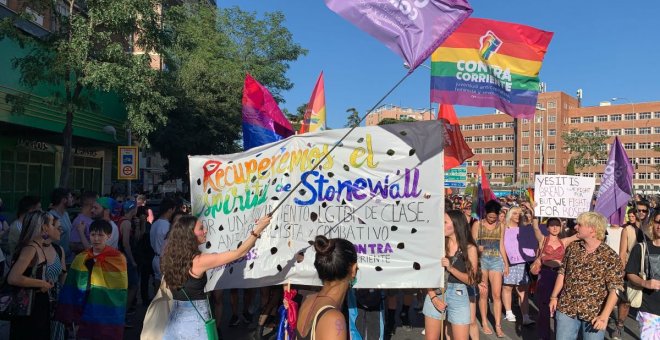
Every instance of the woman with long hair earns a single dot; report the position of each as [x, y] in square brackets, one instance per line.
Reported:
[520, 243]
[320, 314]
[489, 233]
[184, 269]
[461, 263]
[552, 252]
[34, 251]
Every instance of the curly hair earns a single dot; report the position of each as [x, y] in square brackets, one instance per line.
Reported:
[181, 248]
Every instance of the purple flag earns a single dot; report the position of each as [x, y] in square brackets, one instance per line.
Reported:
[616, 185]
[412, 29]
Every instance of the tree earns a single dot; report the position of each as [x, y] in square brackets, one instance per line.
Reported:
[570, 167]
[386, 121]
[353, 119]
[212, 50]
[585, 146]
[296, 119]
[86, 53]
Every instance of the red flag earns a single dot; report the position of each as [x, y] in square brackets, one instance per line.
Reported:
[485, 185]
[456, 149]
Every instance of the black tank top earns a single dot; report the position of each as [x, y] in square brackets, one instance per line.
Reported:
[459, 264]
[194, 289]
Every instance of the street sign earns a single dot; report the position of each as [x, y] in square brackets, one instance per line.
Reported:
[127, 162]
[456, 177]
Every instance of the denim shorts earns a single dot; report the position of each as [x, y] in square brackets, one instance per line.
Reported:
[185, 323]
[458, 305]
[492, 263]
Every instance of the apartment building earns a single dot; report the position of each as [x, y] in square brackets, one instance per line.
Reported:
[389, 111]
[540, 147]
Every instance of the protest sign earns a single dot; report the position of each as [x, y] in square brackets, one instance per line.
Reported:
[381, 188]
[562, 196]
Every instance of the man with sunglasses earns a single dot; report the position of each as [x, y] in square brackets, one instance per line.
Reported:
[649, 312]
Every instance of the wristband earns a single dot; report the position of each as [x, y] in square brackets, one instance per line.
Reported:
[553, 298]
[254, 234]
[434, 296]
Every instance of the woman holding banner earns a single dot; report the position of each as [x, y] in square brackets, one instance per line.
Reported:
[551, 255]
[184, 269]
[520, 244]
[320, 314]
[489, 233]
[460, 263]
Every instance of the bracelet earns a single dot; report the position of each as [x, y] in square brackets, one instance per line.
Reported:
[434, 296]
[553, 298]
[254, 234]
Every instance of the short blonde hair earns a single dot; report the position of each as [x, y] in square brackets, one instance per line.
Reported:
[509, 213]
[595, 220]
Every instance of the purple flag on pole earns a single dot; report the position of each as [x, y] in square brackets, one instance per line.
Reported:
[616, 185]
[412, 29]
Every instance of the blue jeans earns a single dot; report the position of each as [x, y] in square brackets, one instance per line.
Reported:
[567, 328]
[185, 323]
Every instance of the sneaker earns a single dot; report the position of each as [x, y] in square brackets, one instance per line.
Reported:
[617, 334]
[233, 322]
[405, 321]
[527, 320]
[423, 331]
[510, 317]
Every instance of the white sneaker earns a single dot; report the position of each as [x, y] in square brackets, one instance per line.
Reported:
[527, 320]
[423, 331]
[510, 317]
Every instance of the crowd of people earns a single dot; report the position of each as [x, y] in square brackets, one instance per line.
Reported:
[86, 274]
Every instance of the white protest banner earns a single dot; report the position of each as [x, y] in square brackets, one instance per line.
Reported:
[381, 188]
[562, 196]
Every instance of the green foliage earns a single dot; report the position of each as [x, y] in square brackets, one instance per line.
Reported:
[296, 118]
[87, 52]
[353, 119]
[386, 121]
[570, 167]
[586, 146]
[212, 49]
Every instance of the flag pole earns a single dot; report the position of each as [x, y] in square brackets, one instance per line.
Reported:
[339, 141]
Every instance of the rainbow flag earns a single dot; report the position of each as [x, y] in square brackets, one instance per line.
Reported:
[263, 121]
[96, 300]
[314, 119]
[490, 63]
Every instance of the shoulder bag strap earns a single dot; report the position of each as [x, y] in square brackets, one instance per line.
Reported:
[198, 313]
[642, 255]
[312, 332]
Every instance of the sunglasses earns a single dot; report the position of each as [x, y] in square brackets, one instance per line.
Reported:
[643, 210]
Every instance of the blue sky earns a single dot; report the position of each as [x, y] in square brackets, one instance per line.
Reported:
[609, 49]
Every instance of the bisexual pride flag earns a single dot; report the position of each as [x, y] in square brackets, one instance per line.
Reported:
[263, 122]
[489, 63]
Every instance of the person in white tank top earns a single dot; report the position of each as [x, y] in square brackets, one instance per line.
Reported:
[613, 237]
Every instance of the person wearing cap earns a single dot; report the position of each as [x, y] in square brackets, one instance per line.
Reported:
[127, 246]
[106, 205]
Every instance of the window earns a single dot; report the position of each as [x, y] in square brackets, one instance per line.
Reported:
[630, 116]
[510, 137]
[488, 150]
[601, 132]
[499, 150]
[552, 146]
[525, 133]
[468, 139]
[537, 133]
[486, 163]
[644, 175]
[508, 149]
[615, 132]
[537, 147]
[539, 119]
[477, 138]
[629, 146]
[498, 137]
[601, 118]
[575, 120]
[476, 150]
[467, 127]
[524, 175]
[508, 162]
[656, 175]
[498, 125]
[656, 115]
[615, 118]
[498, 175]
[589, 119]
[552, 132]
[629, 131]
[525, 147]
[645, 115]
[478, 126]
[656, 160]
[524, 161]
[645, 131]
[36, 17]
[508, 124]
[552, 105]
[525, 120]
[552, 119]
[551, 161]
[656, 129]
[497, 163]
[537, 161]
[488, 138]
[644, 146]
[644, 160]
[601, 161]
[488, 125]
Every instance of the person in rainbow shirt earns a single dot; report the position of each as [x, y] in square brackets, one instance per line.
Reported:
[93, 297]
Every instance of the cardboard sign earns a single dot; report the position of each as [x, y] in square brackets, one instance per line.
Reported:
[562, 195]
